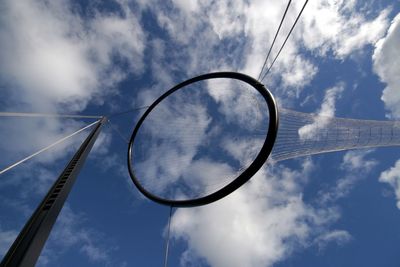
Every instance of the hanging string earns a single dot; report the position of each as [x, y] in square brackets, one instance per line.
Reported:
[50, 115]
[168, 237]
[273, 42]
[126, 111]
[115, 128]
[287, 37]
[47, 148]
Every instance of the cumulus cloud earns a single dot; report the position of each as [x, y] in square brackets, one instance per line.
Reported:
[55, 59]
[216, 36]
[325, 26]
[292, 68]
[338, 27]
[386, 60]
[54, 56]
[257, 225]
[69, 61]
[210, 37]
[238, 33]
[386, 64]
[392, 177]
[324, 114]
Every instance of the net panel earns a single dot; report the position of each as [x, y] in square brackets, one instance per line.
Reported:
[303, 134]
[200, 138]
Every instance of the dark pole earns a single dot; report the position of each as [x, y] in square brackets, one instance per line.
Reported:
[27, 247]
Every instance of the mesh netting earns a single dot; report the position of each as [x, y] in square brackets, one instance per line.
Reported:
[302, 134]
[200, 138]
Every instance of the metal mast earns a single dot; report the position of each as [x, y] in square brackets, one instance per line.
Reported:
[27, 247]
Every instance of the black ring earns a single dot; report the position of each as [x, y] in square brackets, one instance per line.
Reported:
[246, 174]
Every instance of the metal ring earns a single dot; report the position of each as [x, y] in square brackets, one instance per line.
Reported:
[246, 174]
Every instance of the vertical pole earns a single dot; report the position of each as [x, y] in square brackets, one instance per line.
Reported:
[27, 247]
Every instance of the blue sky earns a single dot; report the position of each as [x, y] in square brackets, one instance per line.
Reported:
[94, 57]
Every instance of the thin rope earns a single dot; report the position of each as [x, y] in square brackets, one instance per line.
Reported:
[273, 42]
[49, 115]
[287, 37]
[113, 127]
[126, 111]
[46, 148]
[168, 237]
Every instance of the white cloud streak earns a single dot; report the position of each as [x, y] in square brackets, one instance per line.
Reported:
[70, 232]
[340, 237]
[6, 239]
[356, 166]
[324, 114]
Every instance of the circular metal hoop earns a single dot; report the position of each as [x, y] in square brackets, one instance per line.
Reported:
[246, 174]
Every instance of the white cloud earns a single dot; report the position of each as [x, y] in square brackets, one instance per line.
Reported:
[187, 6]
[243, 150]
[168, 141]
[69, 60]
[230, 33]
[70, 232]
[55, 58]
[325, 26]
[257, 225]
[18, 142]
[386, 64]
[341, 237]
[392, 177]
[324, 114]
[292, 67]
[354, 161]
[239, 103]
[205, 176]
[355, 165]
[337, 26]
[6, 240]
[226, 17]
[184, 134]
[210, 37]
[102, 144]
[94, 253]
